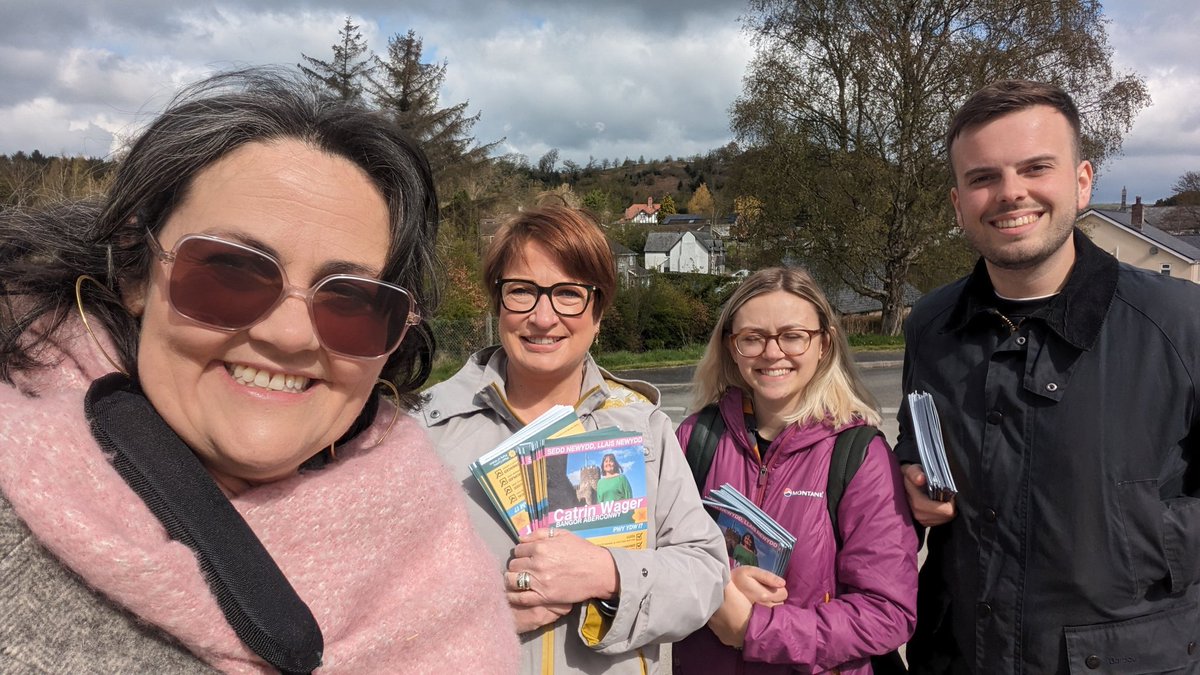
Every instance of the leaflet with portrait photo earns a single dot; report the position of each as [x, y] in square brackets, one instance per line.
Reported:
[751, 536]
[594, 484]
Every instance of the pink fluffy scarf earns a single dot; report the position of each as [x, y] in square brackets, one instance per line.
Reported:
[378, 543]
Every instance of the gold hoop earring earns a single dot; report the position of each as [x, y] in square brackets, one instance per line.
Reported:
[395, 417]
[87, 326]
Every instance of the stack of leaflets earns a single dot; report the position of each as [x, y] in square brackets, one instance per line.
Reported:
[927, 429]
[553, 474]
[500, 473]
[751, 536]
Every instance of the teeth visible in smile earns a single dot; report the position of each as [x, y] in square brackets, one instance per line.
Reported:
[775, 372]
[265, 379]
[542, 340]
[1015, 222]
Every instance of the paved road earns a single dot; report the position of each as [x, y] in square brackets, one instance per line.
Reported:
[880, 371]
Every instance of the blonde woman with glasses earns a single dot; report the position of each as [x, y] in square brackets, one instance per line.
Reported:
[779, 368]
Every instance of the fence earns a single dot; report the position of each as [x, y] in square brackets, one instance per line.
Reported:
[459, 338]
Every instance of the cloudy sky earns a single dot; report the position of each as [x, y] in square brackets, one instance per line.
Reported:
[634, 79]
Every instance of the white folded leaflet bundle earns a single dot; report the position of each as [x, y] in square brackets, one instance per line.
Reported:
[927, 429]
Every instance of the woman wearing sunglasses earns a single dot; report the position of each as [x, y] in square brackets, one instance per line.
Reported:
[779, 368]
[580, 608]
[197, 469]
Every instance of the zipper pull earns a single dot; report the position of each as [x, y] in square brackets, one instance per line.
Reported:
[762, 475]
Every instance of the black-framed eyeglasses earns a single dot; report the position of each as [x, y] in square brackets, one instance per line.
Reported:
[567, 298]
[792, 342]
[230, 286]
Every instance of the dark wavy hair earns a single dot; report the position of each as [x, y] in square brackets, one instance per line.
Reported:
[43, 252]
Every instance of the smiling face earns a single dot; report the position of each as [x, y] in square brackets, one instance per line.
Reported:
[545, 351]
[609, 465]
[1018, 190]
[317, 214]
[776, 380]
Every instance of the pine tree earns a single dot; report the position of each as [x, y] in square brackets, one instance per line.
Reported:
[408, 89]
[343, 77]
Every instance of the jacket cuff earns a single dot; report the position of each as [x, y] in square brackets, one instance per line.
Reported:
[635, 570]
[772, 639]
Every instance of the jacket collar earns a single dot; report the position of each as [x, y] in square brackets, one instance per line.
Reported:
[1075, 314]
[479, 385]
[794, 437]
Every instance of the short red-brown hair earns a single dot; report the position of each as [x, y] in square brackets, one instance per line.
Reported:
[572, 236]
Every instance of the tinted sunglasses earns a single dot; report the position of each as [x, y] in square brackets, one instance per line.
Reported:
[229, 286]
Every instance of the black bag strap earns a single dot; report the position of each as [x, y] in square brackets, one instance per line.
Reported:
[702, 444]
[258, 601]
[848, 453]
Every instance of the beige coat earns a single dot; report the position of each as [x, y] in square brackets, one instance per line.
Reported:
[667, 591]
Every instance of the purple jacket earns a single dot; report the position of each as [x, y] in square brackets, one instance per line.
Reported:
[871, 582]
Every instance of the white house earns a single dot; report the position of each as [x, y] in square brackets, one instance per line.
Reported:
[687, 251]
[643, 213]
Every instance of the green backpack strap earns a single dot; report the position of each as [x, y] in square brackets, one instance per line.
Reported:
[848, 453]
[702, 443]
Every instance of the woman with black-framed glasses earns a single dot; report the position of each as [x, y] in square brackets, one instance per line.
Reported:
[779, 374]
[198, 469]
[579, 608]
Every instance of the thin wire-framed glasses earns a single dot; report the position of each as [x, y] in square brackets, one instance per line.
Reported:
[792, 342]
[567, 298]
[229, 286]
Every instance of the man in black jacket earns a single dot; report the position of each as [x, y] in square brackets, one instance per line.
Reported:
[1067, 385]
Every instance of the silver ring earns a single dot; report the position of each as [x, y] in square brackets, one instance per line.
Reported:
[522, 581]
[553, 530]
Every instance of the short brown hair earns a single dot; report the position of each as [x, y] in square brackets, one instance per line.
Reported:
[1008, 96]
[572, 236]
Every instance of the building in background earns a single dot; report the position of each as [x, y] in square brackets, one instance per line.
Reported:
[1132, 237]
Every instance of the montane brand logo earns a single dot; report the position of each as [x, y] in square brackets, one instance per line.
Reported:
[789, 492]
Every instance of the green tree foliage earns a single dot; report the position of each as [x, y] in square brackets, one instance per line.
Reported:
[601, 203]
[409, 89]
[345, 75]
[846, 102]
[667, 208]
[675, 310]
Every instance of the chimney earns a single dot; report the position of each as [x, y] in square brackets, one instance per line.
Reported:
[1135, 216]
[1122, 198]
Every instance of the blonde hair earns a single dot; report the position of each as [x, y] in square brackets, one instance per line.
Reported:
[835, 395]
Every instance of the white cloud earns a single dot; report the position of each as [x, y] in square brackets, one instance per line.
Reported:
[628, 78]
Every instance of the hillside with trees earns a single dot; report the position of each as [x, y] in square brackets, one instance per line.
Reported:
[839, 162]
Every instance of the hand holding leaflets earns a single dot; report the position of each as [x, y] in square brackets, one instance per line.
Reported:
[553, 474]
[927, 429]
[751, 536]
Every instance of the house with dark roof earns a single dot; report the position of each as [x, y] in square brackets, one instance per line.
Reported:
[1129, 235]
[685, 251]
[629, 272]
[848, 302]
[720, 227]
